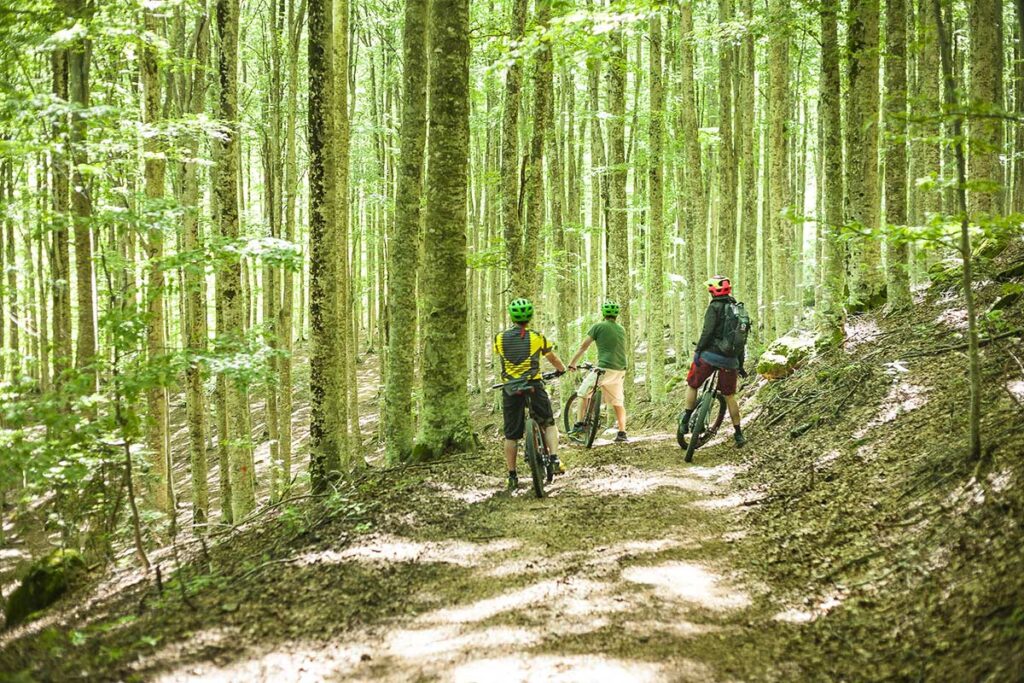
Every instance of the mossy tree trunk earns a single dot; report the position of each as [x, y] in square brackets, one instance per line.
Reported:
[510, 213]
[747, 285]
[695, 226]
[532, 237]
[656, 281]
[985, 131]
[866, 279]
[161, 484]
[619, 282]
[399, 422]
[445, 420]
[831, 309]
[195, 290]
[328, 431]
[896, 251]
[231, 329]
[776, 262]
[726, 247]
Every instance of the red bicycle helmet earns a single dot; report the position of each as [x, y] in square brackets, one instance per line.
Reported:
[719, 285]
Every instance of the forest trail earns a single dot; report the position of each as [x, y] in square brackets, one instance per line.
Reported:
[622, 573]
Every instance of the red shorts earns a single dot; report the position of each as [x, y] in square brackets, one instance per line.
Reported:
[701, 370]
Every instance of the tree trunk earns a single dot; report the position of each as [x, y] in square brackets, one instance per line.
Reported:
[986, 132]
[232, 330]
[535, 169]
[831, 314]
[328, 431]
[746, 276]
[399, 423]
[656, 279]
[445, 416]
[695, 228]
[195, 290]
[162, 485]
[726, 247]
[619, 282]
[61, 265]
[866, 284]
[776, 263]
[896, 254]
[517, 267]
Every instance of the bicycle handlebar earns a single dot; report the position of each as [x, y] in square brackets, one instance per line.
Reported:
[544, 377]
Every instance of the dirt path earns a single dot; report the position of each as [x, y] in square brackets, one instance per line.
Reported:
[621, 574]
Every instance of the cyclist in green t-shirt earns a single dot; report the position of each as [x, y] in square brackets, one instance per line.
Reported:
[610, 338]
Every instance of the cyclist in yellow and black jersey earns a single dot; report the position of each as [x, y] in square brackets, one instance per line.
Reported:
[520, 349]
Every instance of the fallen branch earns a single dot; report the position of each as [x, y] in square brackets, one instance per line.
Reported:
[960, 347]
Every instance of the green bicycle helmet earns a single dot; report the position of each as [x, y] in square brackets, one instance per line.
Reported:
[520, 310]
[610, 309]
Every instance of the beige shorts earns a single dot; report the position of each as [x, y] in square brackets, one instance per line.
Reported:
[611, 384]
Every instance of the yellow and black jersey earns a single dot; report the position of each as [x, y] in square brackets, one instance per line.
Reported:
[520, 351]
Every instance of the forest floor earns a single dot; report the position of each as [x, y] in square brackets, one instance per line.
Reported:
[850, 540]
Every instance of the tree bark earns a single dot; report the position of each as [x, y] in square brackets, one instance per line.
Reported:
[399, 422]
[656, 286]
[517, 267]
[232, 330]
[445, 419]
[695, 228]
[896, 254]
[328, 415]
[830, 304]
[619, 282]
[866, 279]
[986, 132]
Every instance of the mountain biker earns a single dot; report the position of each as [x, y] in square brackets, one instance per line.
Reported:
[520, 349]
[611, 357]
[709, 355]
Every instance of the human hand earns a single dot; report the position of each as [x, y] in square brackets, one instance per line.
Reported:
[573, 368]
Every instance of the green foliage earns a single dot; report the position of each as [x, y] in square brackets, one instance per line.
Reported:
[46, 580]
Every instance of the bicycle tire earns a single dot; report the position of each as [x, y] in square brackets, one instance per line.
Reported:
[533, 457]
[697, 428]
[593, 418]
[568, 420]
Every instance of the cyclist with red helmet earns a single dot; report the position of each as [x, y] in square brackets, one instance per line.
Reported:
[712, 352]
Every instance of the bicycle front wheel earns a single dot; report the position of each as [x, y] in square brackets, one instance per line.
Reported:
[700, 418]
[569, 419]
[593, 419]
[533, 456]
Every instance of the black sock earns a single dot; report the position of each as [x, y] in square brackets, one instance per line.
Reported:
[737, 428]
[512, 473]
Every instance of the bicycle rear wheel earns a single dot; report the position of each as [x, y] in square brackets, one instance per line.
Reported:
[569, 418]
[533, 456]
[593, 419]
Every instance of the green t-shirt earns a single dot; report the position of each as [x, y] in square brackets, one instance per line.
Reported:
[610, 338]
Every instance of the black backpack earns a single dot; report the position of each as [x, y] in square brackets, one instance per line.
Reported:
[734, 328]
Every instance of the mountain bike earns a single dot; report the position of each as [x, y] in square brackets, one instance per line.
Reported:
[537, 455]
[587, 390]
[707, 417]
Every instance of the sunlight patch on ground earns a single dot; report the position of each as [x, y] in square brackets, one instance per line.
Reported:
[490, 607]
[387, 548]
[719, 474]
[689, 583]
[795, 615]
[595, 558]
[468, 495]
[293, 662]
[447, 640]
[1016, 387]
[903, 397]
[720, 503]
[860, 330]
[955, 318]
[570, 669]
[624, 480]
[827, 459]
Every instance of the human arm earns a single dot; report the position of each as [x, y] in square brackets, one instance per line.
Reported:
[555, 361]
[707, 335]
[587, 341]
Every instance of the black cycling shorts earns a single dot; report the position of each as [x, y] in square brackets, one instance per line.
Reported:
[513, 408]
